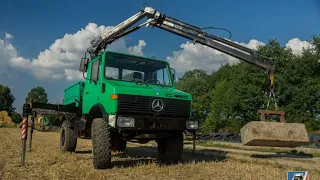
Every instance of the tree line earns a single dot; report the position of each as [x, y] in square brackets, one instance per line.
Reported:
[37, 94]
[230, 97]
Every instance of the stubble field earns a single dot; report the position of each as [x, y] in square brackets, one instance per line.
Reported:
[45, 161]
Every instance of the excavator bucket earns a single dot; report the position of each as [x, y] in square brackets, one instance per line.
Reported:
[274, 134]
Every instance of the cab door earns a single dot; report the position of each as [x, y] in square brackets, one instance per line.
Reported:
[92, 87]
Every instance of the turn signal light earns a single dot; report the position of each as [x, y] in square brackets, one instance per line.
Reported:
[114, 96]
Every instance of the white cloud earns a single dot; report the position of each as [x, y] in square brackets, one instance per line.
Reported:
[253, 44]
[61, 60]
[7, 51]
[8, 36]
[73, 74]
[297, 45]
[137, 50]
[199, 56]
[58, 62]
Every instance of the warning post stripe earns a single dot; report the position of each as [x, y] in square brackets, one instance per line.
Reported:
[24, 127]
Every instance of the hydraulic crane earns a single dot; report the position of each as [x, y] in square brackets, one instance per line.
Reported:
[254, 133]
[191, 32]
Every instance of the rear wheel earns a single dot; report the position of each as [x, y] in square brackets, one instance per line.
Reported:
[101, 144]
[68, 137]
[170, 149]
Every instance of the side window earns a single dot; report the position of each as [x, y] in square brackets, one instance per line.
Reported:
[162, 76]
[95, 71]
[111, 73]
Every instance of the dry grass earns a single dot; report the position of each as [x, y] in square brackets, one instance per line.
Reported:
[45, 161]
[297, 151]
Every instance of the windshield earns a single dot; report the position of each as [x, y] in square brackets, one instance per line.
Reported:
[128, 68]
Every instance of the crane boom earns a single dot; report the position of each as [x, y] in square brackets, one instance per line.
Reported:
[194, 33]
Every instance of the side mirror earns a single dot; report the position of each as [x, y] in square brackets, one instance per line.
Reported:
[173, 72]
[84, 65]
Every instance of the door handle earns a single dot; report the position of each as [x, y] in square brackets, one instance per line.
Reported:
[87, 92]
[103, 88]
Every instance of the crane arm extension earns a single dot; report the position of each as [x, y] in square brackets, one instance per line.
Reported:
[112, 34]
[194, 33]
[198, 36]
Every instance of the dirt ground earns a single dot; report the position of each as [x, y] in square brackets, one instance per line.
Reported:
[45, 161]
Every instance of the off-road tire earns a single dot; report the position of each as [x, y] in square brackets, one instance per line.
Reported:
[68, 137]
[101, 144]
[170, 149]
[119, 145]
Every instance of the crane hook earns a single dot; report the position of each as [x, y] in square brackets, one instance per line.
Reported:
[271, 92]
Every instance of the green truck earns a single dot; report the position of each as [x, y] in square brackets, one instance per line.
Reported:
[127, 98]
[131, 98]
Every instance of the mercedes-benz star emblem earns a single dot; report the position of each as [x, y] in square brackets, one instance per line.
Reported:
[157, 105]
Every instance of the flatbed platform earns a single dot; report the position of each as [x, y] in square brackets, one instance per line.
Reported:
[46, 108]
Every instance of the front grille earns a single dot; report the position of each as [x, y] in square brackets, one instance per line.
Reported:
[142, 105]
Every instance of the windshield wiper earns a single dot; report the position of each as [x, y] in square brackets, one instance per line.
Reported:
[134, 81]
[154, 83]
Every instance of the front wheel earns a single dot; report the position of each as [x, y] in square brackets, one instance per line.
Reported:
[170, 149]
[101, 144]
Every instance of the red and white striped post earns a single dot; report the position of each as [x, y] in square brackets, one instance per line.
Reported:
[24, 134]
[24, 127]
[24, 131]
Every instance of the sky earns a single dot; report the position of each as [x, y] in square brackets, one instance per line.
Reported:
[42, 42]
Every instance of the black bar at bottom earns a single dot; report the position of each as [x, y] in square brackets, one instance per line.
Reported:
[55, 107]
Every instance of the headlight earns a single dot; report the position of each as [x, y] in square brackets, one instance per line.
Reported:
[125, 121]
[192, 124]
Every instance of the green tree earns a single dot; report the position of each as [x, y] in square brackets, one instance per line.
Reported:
[241, 89]
[236, 97]
[16, 118]
[196, 83]
[299, 94]
[37, 94]
[6, 99]
[219, 108]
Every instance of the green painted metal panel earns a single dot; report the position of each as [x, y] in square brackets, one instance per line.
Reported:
[74, 93]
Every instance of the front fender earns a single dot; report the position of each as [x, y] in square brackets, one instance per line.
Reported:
[98, 111]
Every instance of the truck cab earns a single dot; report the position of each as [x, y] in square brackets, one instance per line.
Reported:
[129, 98]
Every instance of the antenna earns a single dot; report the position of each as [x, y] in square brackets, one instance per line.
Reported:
[146, 4]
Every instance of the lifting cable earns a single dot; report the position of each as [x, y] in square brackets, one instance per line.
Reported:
[271, 93]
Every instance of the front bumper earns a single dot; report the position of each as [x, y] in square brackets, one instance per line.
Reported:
[154, 123]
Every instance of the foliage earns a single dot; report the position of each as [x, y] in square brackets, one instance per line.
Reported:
[195, 83]
[6, 99]
[16, 118]
[37, 94]
[231, 96]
